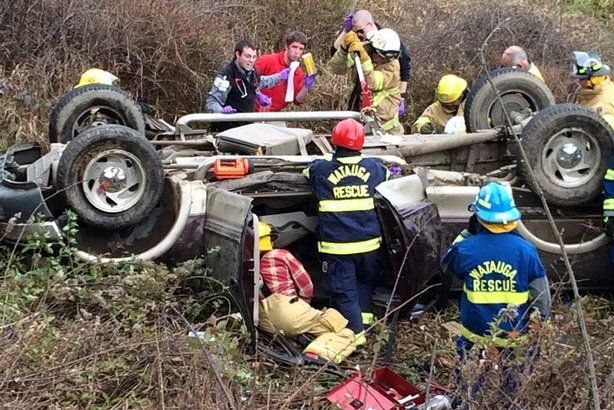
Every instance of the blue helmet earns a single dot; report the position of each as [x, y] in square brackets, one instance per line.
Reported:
[495, 204]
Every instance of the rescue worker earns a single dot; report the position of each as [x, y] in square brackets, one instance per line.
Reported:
[362, 23]
[608, 205]
[449, 103]
[286, 290]
[292, 89]
[349, 235]
[503, 280]
[236, 88]
[380, 66]
[499, 269]
[596, 87]
[516, 57]
[97, 76]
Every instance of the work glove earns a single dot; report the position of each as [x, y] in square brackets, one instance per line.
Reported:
[402, 107]
[263, 99]
[357, 47]
[228, 109]
[284, 74]
[608, 226]
[347, 23]
[395, 170]
[348, 38]
[428, 128]
[309, 81]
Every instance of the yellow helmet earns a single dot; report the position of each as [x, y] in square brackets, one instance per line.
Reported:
[450, 88]
[97, 76]
[264, 233]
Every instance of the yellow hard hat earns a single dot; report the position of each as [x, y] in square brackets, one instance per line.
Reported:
[97, 76]
[450, 88]
[264, 232]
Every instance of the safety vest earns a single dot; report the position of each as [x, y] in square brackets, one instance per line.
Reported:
[496, 270]
[344, 188]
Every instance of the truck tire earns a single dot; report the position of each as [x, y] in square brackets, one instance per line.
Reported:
[522, 94]
[568, 146]
[110, 176]
[92, 105]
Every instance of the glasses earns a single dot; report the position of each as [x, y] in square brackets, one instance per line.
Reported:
[389, 54]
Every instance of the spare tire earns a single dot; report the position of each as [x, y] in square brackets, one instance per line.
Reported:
[110, 176]
[522, 94]
[568, 146]
[92, 105]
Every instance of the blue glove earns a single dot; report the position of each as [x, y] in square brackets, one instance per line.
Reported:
[263, 99]
[309, 81]
[228, 109]
[347, 23]
[402, 107]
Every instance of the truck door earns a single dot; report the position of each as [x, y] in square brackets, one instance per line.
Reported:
[229, 247]
[411, 231]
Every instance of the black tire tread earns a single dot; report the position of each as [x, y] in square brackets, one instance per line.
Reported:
[534, 137]
[70, 168]
[482, 87]
[60, 131]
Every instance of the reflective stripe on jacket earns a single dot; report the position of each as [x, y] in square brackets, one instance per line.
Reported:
[344, 188]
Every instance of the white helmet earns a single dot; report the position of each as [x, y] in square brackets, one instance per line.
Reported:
[386, 43]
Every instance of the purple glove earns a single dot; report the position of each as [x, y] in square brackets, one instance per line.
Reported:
[263, 100]
[309, 81]
[347, 24]
[395, 170]
[402, 107]
[228, 109]
[284, 74]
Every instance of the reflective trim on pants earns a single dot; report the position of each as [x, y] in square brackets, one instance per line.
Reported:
[368, 318]
[608, 204]
[349, 248]
[609, 175]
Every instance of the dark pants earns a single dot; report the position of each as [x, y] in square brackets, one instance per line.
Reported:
[510, 368]
[349, 281]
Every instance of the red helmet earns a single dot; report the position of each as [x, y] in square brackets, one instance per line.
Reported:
[349, 134]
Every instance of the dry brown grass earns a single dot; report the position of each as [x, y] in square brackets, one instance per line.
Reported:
[165, 52]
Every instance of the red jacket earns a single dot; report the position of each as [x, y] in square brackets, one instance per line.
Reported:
[273, 63]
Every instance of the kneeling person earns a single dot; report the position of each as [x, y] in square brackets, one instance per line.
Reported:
[449, 103]
[284, 303]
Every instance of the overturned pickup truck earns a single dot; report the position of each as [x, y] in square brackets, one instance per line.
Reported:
[173, 193]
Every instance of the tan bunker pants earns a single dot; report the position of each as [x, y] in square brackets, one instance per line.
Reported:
[291, 316]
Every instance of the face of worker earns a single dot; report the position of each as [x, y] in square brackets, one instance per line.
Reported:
[362, 27]
[451, 108]
[584, 82]
[246, 59]
[506, 61]
[294, 51]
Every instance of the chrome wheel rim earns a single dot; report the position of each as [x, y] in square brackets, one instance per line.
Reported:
[114, 180]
